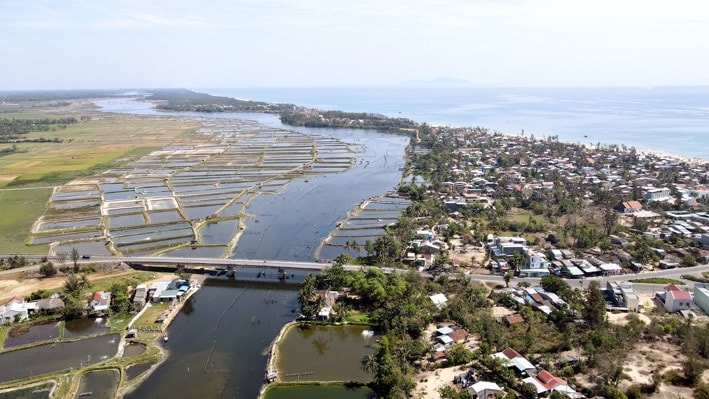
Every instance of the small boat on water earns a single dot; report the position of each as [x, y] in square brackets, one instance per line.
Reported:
[164, 338]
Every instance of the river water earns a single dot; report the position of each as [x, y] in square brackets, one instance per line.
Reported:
[220, 340]
[290, 224]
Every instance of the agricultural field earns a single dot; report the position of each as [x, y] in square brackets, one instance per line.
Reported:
[96, 143]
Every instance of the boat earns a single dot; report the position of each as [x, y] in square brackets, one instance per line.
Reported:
[164, 338]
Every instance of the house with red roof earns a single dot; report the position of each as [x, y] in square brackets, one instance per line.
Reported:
[676, 299]
[546, 382]
[100, 301]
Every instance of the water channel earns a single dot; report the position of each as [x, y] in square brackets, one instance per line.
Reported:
[220, 341]
[291, 223]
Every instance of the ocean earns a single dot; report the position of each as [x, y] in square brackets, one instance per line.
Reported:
[668, 119]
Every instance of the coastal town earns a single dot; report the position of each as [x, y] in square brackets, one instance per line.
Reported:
[517, 267]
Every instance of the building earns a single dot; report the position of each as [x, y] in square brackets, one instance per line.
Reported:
[623, 295]
[485, 390]
[701, 297]
[657, 194]
[140, 297]
[100, 301]
[16, 309]
[629, 207]
[676, 299]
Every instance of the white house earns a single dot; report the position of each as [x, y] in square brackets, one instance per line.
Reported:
[16, 309]
[676, 299]
[485, 389]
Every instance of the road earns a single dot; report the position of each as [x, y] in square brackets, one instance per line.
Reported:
[213, 263]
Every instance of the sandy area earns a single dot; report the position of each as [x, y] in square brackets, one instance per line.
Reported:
[429, 382]
[24, 287]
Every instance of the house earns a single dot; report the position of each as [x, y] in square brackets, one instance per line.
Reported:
[629, 207]
[657, 194]
[610, 269]
[511, 358]
[439, 300]
[701, 296]
[140, 297]
[16, 309]
[485, 390]
[99, 301]
[50, 305]
[459, 335]
[623, 295]
[514, 319]
[676, 299]
[545, 382]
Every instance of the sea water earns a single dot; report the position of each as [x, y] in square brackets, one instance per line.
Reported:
[670, 119]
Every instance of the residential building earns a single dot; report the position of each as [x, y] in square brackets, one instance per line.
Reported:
[100, 301]
[624, 295]
[701, 297]
[657, 194]
[676, 299]
[16, 309]
[485, 390]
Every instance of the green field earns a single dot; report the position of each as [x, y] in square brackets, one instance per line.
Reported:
[95, 144]
[20, 208]
[88, 148]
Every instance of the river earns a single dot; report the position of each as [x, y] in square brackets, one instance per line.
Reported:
[290, 224]
[220, 340]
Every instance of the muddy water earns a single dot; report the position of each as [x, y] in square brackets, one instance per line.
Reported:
[324, 353]
[313, 392]
[100, 384]
[49, 358]
[36, 333]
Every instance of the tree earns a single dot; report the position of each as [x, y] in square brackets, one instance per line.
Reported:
[594, 312]
[47, 269]
[507, 277]
[701, 391]
[554, 284]
[693, 368]
[61, 257]
[528, 390]
[387, 374]
[459, 354]
[75, 285]
[75, 258]
[305, 296]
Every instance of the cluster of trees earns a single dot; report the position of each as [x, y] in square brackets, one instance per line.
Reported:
[13, 262]
[188, 100]
[12, 129]
[340, 119]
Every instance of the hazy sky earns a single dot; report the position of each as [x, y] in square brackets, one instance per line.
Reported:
[259, 43]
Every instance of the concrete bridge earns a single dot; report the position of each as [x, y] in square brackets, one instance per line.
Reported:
[218, 263]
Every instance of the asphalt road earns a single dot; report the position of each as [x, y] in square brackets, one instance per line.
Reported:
[214, 262]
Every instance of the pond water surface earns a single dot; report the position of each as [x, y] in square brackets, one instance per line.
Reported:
[324, 353]
[99, 384]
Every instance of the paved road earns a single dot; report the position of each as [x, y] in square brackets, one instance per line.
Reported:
[317, 266]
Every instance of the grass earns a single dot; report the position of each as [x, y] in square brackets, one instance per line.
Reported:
[28, 176]
[3, 334]
[132, 279]
[20, 208]
[148, 318]
[658, 280]
[88, 148]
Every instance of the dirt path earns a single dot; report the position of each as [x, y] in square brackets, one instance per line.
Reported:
[24, 287]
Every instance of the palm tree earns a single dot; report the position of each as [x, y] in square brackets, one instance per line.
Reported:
[369, 363]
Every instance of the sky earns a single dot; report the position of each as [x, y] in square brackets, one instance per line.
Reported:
[84, 44]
